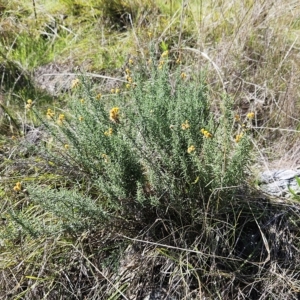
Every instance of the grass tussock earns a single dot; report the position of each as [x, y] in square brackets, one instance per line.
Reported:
[136, 179]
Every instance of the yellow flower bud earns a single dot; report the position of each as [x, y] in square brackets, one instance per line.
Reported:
[191, 149]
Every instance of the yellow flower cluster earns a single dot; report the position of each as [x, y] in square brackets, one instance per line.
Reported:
[114, 115]
[183, 75]
[75, 83]
[60, 119]
[105, 157]
[80, 118]
[108, 132]
[250, 115]
[66, 146]
[243, 125]
[161, 63]
[18, 187]
[115, 91]
[237, 118]
[185, 125]
[206, 133]
[128, 78]
[29, 104]
[50, 113]
[165, 53]
[191, 149]
[82, 101]
[238, 137]
[98, 97]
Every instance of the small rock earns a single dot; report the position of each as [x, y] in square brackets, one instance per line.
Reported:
[278, 182]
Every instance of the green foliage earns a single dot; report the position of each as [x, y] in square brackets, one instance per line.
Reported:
[75, 211]
[31, 50]
[124, 13]
[154, 145]
[294, 193]
[63, 211]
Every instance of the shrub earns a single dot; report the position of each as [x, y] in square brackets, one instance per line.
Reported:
[154, 146]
